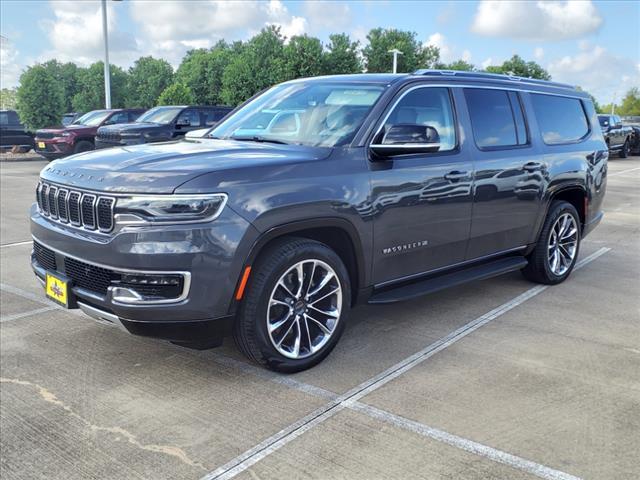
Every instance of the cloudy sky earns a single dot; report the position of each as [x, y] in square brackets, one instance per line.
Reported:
[592, 44]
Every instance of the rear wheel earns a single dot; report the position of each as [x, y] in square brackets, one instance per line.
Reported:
[83, 146]
[624, 152]
[296, 306]
[555, 254]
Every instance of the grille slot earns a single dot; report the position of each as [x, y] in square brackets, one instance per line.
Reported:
[80, 209]
[63, 212]
[90, 277]
[45, 257]
[105, 213]
[52, 201]
[87, 211]
[74, 208]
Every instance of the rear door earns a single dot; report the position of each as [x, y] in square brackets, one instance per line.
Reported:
[421, 203]
[510, 175]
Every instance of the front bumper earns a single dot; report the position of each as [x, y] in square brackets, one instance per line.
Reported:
[211, 254]
[53, 148]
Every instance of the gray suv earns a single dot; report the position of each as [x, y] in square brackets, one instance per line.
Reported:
[317, 195]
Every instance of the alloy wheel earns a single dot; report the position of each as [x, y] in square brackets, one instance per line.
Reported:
[563, 243]
[304, 309]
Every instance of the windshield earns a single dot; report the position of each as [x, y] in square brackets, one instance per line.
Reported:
[313, 114]
[162, 115]
[92, 119]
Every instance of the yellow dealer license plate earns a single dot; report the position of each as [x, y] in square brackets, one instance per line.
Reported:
[57, 289]
[41, 145]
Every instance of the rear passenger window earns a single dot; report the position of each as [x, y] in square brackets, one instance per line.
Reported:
[429, 106]
[561, 119]
[496, 118]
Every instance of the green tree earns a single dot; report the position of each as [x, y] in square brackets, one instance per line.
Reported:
[90, 94]
[40, 98]
[460, 65]
[630, 103]
[259, 65]
[518, 67]
[302, 57]
[147, 79]
[341, 55]
[8, 98]
[201, 70]
[414, 55]
[67, 75]
[176, 94]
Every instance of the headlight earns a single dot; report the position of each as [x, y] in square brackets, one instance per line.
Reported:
[65, 134]
[169, 208]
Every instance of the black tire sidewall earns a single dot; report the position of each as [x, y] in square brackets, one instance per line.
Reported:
[270, 356]
[558, 210]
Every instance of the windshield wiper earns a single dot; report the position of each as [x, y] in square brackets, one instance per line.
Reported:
[257, 138]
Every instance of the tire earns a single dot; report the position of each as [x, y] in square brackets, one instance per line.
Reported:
[541, 262]
[624, 151]
[256, 332]
[83, 146]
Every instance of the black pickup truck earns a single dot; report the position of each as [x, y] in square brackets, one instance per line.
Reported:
[617, 135]
[13, 134]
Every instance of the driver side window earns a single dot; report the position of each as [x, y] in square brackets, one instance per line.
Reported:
[190, 118]
[430, 107]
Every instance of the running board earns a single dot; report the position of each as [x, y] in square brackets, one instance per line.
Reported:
[447, 280]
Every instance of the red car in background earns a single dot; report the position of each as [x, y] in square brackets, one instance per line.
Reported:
[79, 136]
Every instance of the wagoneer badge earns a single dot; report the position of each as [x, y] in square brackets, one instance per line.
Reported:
[405, 247]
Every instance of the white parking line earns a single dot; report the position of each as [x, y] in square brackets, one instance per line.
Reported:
[15, 244]
[349, 399]
[623, 172]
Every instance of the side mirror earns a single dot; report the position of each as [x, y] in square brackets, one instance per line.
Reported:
[405, 139]
[183, 122]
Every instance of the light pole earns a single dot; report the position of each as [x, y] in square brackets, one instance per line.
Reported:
[395, 52]
[107, 74]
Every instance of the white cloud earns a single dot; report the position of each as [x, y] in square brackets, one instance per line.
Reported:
[448, 52]
[597, 70]
[538, 53]
[541, 20]
[10, 69]
[75, 34]
[327, 15]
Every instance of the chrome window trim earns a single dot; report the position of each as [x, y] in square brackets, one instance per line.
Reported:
[405, 145]
[186, 276]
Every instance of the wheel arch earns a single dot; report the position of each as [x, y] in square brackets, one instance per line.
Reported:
[337, 233]
[575, 194]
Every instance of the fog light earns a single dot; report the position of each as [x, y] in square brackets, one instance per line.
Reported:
[169, 280]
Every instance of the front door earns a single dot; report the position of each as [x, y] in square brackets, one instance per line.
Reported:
[421, 203]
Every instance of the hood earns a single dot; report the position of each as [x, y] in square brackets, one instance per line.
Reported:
[68, 128]
[162, 167]
[132, 127]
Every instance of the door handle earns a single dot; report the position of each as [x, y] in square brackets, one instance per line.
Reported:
[532, 166]
[455, 175]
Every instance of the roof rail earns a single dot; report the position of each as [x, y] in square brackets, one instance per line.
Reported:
[491, 76]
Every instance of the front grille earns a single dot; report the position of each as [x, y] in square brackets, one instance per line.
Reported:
[108, 137]
[45, 257]
[46, 135]
[89, 277]
[81, 209]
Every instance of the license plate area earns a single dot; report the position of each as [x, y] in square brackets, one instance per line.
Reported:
[41, 145]
[58, 289]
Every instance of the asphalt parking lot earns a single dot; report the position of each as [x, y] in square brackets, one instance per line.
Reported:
[500, 379]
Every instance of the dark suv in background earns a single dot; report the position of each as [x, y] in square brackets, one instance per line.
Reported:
[79, 136]
[13, 134]
[161, 124]
[317, 195]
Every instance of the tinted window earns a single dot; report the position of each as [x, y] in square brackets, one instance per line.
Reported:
[496, 118]
[134, 115]
[561, 119]
[212, 116]
[190, 117]
[430, 107]
[120, 117]
[4, 118]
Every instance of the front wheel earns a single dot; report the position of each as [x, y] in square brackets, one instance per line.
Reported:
[555, 254]
[624, 153]
[296, 306]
